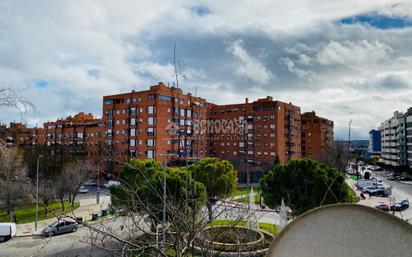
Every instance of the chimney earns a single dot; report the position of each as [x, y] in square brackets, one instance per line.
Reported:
[246, 100]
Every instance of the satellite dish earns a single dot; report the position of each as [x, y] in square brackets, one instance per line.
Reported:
[344, 230]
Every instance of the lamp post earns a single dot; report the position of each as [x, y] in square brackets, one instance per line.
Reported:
[37, 191]
[164, 199]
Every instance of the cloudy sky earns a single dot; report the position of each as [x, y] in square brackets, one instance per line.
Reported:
[347, 59]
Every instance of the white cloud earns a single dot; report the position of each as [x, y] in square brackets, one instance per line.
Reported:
[250, 67]
[355, 54]
[87, 49]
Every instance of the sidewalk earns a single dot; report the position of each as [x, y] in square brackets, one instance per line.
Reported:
[87, 207]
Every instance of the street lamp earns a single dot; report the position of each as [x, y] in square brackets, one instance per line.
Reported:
[164, 197]
[37, 191]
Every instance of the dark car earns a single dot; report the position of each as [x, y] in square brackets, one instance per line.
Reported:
[382, 207]
[405, 203]
[397, 207]
[60, 227]
[406, 179]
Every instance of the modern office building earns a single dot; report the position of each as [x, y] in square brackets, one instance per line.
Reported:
[393, 141]
[317, 134]
[374, 148]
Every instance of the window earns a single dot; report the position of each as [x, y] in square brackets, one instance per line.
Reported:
[182, 112]
[272, 126]
[132, 132]
[241, 144]
[108, 101]
[109, 123]
[272, 117]
[117, 122]
[133, 111]
[151, 97]
[132, 142]
[150, 131]
[79, 135]
[150, 142]
[189, 113]
[151, 109]
[133, 121]
[151, 121]
[127, 101]
[150, 154]
[165, 98]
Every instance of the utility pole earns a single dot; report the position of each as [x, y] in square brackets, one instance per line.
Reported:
[37, 191]
[164, 204]
[350, 123]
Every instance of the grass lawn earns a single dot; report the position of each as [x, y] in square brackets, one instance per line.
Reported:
[268, 227]
[244, 190]
[27, 213]
[246, 199]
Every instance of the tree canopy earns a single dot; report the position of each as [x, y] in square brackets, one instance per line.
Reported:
[305, 184]
[142, 189]
[219, 177]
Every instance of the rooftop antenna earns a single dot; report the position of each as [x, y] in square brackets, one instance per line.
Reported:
[175, 66]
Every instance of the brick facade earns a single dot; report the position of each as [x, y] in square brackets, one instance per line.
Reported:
[166, 124]
[317, 134]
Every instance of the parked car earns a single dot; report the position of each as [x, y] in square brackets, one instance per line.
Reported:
[405, 179]
[404, 202]
[90, 183]
[397, 206]
[60, 227]
[112, 183]
[83, 190]
[391, 177]
[7, 231]
[382, 207]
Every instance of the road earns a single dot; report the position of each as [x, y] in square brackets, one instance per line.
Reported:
[66, 245]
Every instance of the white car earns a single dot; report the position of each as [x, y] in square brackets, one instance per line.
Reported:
[112, 183]
[83, 190]
[7, 231]
[90, 183]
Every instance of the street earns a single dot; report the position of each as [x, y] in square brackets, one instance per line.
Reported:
[72, 244]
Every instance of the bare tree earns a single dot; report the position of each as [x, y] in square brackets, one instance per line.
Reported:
[72, 178]
[12, 178]
[11, 97]
[46, 193]
[335, 155]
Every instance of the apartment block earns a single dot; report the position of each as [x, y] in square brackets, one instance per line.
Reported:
[393, 141]
[16, 134]
[408, 125]
[255, 135]
[168, 125]
[317, 134]
[79, 135]
[157, 123]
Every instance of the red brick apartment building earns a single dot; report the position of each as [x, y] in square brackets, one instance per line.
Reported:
[269, 132]
[80, 135]
[317, 134]
[169, 125]
[16, 135]
[157, 123]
